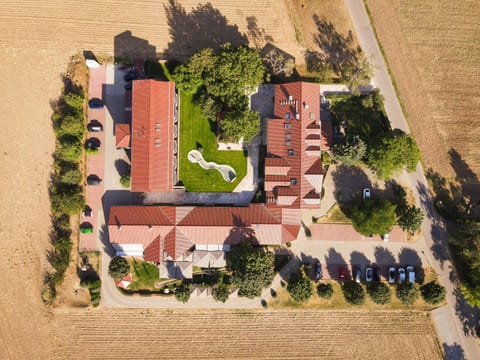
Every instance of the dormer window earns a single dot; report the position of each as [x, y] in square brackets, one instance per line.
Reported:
[293, 181]
[291, 152]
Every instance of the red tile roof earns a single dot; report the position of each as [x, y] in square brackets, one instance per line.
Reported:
[152, 136]
[294, 134]
[122, 135]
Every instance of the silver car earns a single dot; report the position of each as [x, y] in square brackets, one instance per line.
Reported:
[368, 274]
[401, 275]
[392, 275]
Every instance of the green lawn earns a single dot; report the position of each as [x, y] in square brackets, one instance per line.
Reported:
[195, 131]
[144, 275]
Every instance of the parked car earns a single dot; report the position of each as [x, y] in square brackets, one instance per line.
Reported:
[318, 270]
[366, 193]
[342, 273]
[95, 103]
[386, 237]
[368, 274]
[401, 275]
[358, 276]
[131, 75]
[128, 86]
[93, 179]
[392, 275]
[92, 143]
[87, 212]
[411, 274]
[86, 228]
[95, 126]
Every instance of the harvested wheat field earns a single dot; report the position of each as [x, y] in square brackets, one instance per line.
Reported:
[298, 334]
[37, 40]
[433, 50]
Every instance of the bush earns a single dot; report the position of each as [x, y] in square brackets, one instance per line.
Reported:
[220, 293]
[325, 291]
[182, 293]
[300, 288]
[118, 267]
[125, 180]
[407, 293]
[379, 292]
[433, 293]
[353, 293]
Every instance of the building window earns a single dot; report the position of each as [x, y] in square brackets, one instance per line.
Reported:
[291, 152]
[288, 116]
[293, 181]
[312, 115]
[287, 126]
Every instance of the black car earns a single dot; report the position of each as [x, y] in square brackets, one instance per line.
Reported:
[92, 144]
[93, 180]
[318, 270]
[95, 103]
[95, 126]
[131, 75]
[128, 86]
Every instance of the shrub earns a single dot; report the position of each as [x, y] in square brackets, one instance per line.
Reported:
[118, 267]
[325, 291]
[433, 293]
[182, 293]
[125, 180]
[353, 293]
[407, 293]
[220, 293]
[379, 292]
[71, 177]
[300, 288]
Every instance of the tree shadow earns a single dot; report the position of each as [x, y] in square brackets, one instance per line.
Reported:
[333, 262]
[203, 27]
[384, 256]
[122, 167]
[257, 36]
[467, 314]
[453, 352]
[241, 232]
[127, 48]
[337, 48]
[349, 181]
[358, 261]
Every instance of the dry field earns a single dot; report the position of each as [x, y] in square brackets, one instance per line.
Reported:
[297, 334]
[433, 49]
[37, 39]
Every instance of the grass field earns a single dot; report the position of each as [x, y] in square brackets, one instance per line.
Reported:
[144, 275]
[433, 49]
[196, 131]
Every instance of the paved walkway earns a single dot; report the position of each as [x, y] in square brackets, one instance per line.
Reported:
[455, 320]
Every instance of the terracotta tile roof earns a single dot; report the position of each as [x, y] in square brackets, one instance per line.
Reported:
[152, 251]
[122, 135]
[327, 135]
[141, 215]
[152, 136]
[276, 166]
[294, 134]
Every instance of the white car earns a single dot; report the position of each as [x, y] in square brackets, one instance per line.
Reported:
[368, 274]
[366, 193]
[401, 275]
[386, 237]
[392, 276]
[411, 274]
[358, 276]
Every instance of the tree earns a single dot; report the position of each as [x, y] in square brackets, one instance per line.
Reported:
[185, 80]
[410, 219]
[220, 293]
[325, 291]
[253, 269]
[407, 293]
[118, 267]
[300, 288]
[240, 124]
[182, 293]
[357, 74]
[433, 293]
[278, 64]
[351, 152]
[353, 292]
[379, 292]
[69, 202]
[71, 125]
[69, 151]
[71, 177]
[373, 216]
[392, 152]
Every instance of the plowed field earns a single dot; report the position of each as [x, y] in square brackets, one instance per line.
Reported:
[433, 49]
[247, 335]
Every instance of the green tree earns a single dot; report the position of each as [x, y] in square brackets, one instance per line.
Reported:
[185, 80]
[71, 125]
[373, 216]
[325, 290]
[379, 292]
[72, 104]
[393, 152]
[220, 293]
[277, 63]
[69, 152]
[182, 293]
[410, 218]
[351, 152]
[353, 292]
[357, 74]
[407, 293]
[240, 124]
[433, 293]
[72, 177]
[69, 202]
[118, 267]
[253, 269]
[300, 288]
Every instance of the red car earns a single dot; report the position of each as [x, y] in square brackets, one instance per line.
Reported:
[342, 273]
